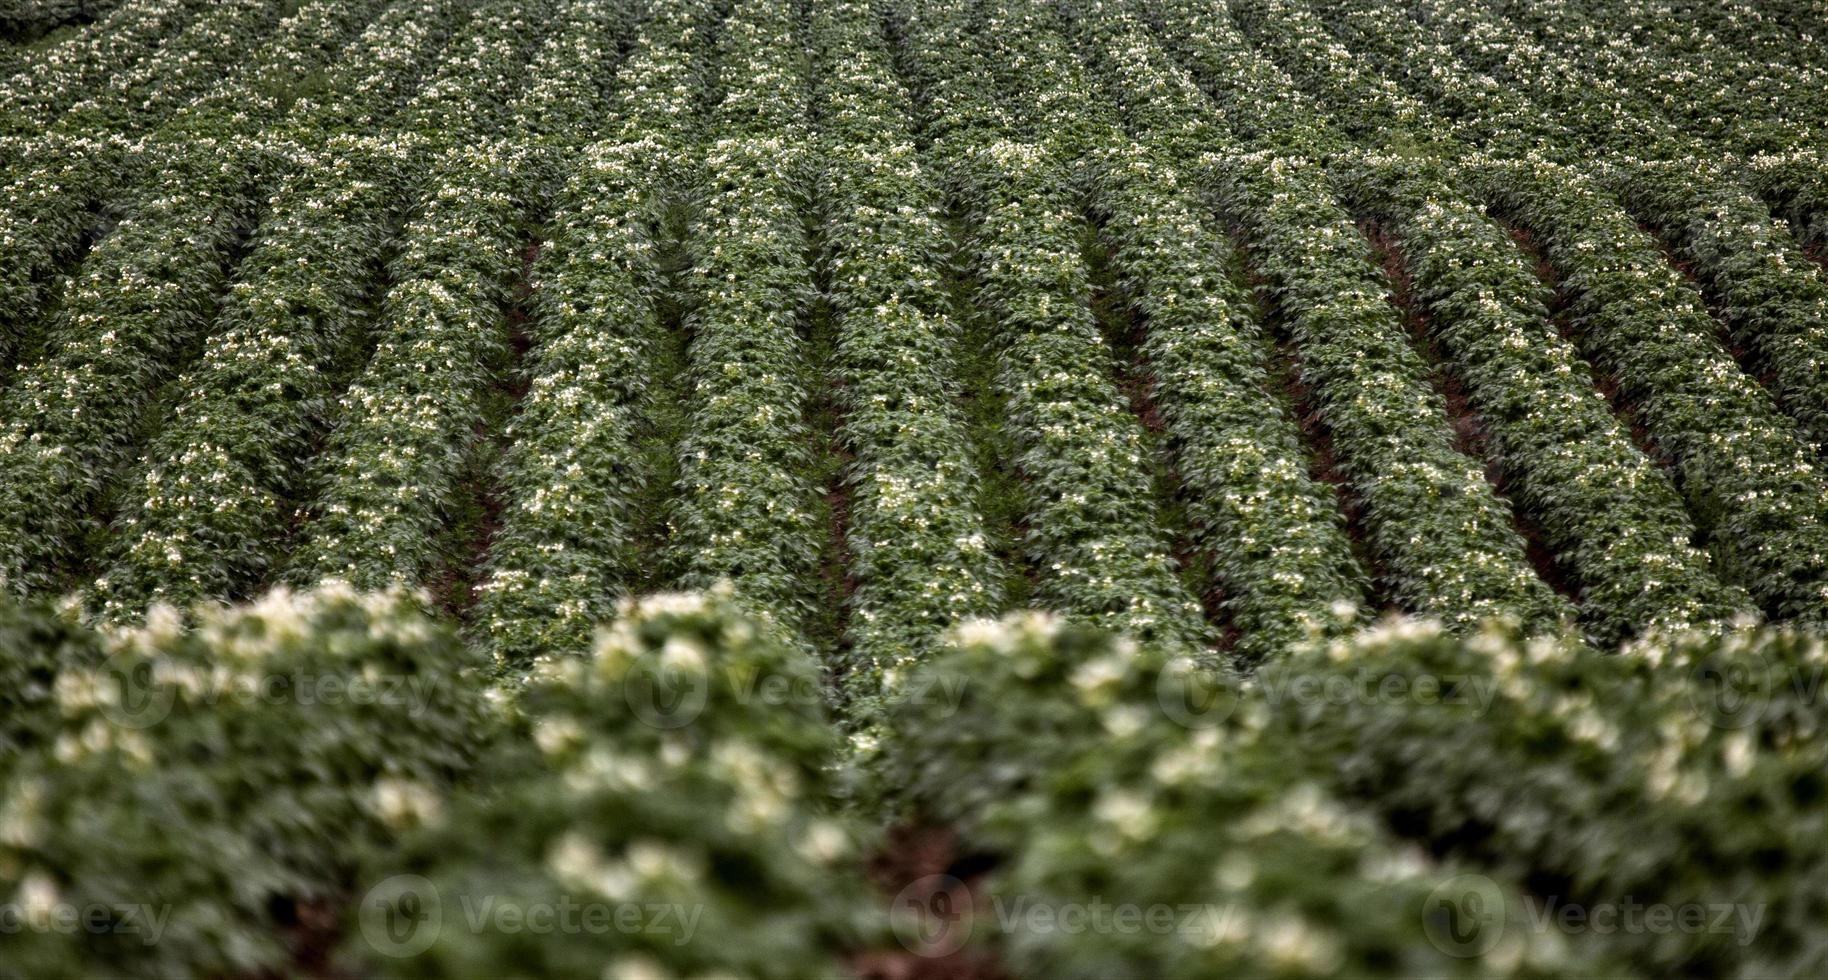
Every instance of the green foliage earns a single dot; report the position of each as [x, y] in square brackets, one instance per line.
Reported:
[675, 794]
[1685, 771]
[1098, 770]
[196, 791]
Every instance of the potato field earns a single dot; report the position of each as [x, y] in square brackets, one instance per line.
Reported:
[913, 489]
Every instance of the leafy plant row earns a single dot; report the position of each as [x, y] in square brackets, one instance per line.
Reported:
[1092, 527]
[1772, 297]
[198, 794]
[1443, 534]
[1273, 531]
[919, 555]
[1749, 480]
[75, 67]
[694, 833]
[1097, 770]
[745, 509]
[337, 750]
[563, 550]
[202, 517]
[147, 294]
[220, 37]
[1689, 774]
[1747, 445]
[1612, 517]
[387, 480]
[55, 174]
[22, 21]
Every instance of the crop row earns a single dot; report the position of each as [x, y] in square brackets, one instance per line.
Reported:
[202, 516]
[563, 550]
[218, 41]
[746, 510]
[1749, 480]
[919, 555]
[286, 749]
[709, 817]
[1444, 536]
[1091, 767]
[63, 74]
[146, 297]
[1677, 379]
[1772, 298]
[1092, 520]
[1773, 105]
[1689, 775]
[388, 478]
[23, 21]
[61, 176]
[1273, 531]
[1608, 513]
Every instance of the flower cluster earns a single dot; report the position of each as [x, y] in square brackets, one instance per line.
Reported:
[713, 803]
[222, 780]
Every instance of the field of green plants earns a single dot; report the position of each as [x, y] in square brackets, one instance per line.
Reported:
[913, 489]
